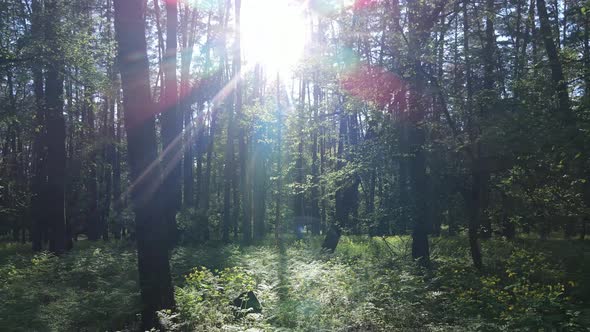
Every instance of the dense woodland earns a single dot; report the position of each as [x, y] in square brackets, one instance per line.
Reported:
[422, 165]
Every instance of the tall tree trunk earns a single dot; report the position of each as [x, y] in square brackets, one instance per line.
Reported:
[73, 164]
[154, 271]
[419, 31]
[245, 187]
[187, 55]
[171, 120]
[279, 192]
[404, 178]
[38, 182]
[119, 200]
[108, 153]
[557, 76]
[259, 160]
[205, 183]
[299, 202]
[236, 207]
[259, 188]
[56, 132]
[473, 200]
[341, 210]
[228, 172]
[490, 79]
[205, 197]
[315, 167]
[92, 212]
[109, 133]
[229, 145]
[352, 192]
[586, 55]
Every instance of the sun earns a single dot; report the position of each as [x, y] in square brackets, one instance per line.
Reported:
[273, 33]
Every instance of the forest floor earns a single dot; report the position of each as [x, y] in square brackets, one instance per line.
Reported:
[368, 284]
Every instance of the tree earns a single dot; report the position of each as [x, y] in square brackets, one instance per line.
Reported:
[421, 18]
[38, 181]
[171, 119]
[139, 116]
[55, 131]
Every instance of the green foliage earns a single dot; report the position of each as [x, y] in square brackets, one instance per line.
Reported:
[204, 302]
[521, 290]
[368, 284]
[91, 288]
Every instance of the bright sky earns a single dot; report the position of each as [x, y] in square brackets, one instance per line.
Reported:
[273, 33]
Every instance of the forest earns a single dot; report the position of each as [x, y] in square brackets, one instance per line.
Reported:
[294, 165]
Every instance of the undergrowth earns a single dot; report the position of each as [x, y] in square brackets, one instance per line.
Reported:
[368, 284]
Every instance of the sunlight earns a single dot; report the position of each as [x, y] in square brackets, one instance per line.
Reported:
[273, 33]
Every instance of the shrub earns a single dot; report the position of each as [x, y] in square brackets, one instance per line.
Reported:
[205, 302]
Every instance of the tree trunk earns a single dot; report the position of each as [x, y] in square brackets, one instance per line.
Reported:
[489, 86]
[299, 199]
[279, 192]
[111, 146]
[403, 187]
[108, 155]
[74, 167]
[186, 59]
[227, 177]
[245, 187]
[259, 190]
[205, 183]
[38, 182]
[92, 211]
[341, 210]
[154, 271]
[117, 197]
[171, 120]
[586, 71]
[419, 31]
[56, 133]
[557, 76]
[315, 167]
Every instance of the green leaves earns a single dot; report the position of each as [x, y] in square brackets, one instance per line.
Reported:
[92, 288]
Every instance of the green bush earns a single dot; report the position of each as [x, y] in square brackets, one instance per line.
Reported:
[88, 289]
[205, 301]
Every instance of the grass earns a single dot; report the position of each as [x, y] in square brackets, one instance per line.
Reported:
[368, 284]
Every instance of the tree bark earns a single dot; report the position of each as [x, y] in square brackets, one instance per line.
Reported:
[245, 187]
[186, 59]
[154, 270]
[279, 192]
[227, 177]
[38, 181]
[92, 211]
[315, 166]
[299, 197]
[171, 120]
[56, 132]
[260, 162]
[563, 102]
[420, 20]
[119, 200]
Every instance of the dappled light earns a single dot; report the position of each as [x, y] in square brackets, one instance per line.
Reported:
[294, 165]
